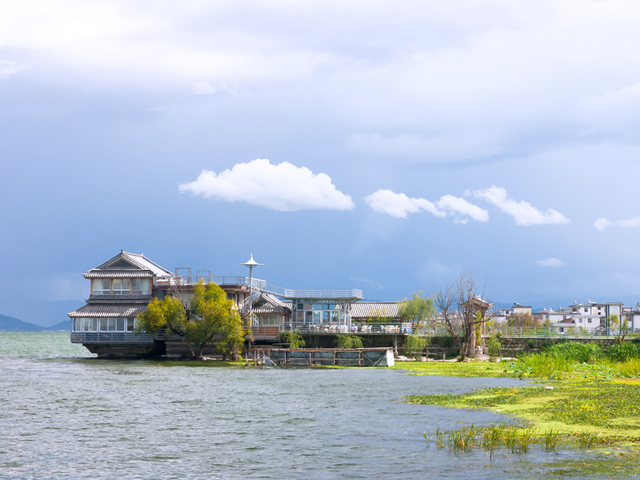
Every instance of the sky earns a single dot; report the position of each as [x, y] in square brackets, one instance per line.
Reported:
[386, 146]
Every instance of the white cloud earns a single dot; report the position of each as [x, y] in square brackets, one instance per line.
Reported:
[399, 205]
[523, 212]
[460, 206]
[551, 262]
[603, 223]
[283, 187]
[9, 68]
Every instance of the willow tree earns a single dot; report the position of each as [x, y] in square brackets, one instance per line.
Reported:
[197, 320]
[420, 311]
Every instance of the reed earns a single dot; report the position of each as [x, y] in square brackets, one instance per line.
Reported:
[587, 439]
[525, 440]
[550, 439]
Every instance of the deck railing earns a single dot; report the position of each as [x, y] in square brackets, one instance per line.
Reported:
[109, 337]
[552, 332]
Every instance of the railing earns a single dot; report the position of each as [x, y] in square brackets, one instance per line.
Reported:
[262, 286]
[355, 328]
[109, 337]
[548, 332]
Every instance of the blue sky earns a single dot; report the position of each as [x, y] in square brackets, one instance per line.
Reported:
[387, 146]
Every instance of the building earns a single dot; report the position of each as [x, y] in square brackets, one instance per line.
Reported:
[122, 287]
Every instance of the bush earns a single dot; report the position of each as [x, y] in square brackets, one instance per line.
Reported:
[623, 352]
[546, 344]
[531, 344]
[446, 342]
[578, 352]
[495, 345]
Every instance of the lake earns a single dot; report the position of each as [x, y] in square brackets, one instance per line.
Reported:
[67, 415]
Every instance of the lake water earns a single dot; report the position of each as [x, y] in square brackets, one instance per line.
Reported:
[66, 415]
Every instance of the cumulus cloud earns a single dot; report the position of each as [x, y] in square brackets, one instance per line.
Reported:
[460, 206]
[603, 223]
[399, 205]
[551, 262]
[283, 187]
[523, 212]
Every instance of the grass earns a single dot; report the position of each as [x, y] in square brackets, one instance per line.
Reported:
[591, 400]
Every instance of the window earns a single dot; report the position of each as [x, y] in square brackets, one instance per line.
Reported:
[271, 320]
[104, 324]
[586, 309]
[589, 321]
[121, 286]
[141, 286]
[101, 286]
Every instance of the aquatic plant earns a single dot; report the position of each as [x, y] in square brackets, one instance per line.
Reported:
[550, 439]
[525, 439]
[588, 439]
[491, 437]
[462, 440]
[439, 438]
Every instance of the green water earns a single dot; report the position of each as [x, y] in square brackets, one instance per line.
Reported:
[67, 415]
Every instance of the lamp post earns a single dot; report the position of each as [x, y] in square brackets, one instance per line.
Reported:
[251, 263]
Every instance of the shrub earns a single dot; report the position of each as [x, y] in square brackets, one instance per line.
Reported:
[495, 345]
[546, 343]
[623, 352]
[578, 352]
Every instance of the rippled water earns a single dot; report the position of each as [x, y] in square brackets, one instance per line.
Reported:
[66, 415]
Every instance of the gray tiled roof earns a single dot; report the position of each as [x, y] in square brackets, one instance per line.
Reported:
[118, 274]
[103, 311]
[266, 309]
[118, 299]
[374, 309]
[138, 262]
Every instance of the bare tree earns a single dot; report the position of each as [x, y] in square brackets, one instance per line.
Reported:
[462, 312]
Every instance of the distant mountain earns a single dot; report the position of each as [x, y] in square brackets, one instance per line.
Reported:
[10, 324]
[63, 325]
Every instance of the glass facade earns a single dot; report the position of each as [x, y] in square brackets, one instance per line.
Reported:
[104, 324]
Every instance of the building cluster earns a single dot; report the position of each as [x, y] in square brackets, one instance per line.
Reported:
[122, 287]
[592, 317]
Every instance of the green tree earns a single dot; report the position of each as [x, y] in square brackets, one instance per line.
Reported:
[417, 309]
[206, 314]
[421, 311]
[522, 320]
[618, 327]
